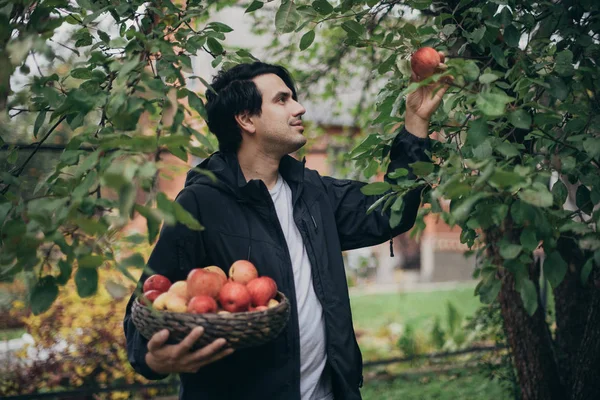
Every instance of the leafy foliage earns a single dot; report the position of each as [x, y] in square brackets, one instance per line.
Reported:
[517, 132]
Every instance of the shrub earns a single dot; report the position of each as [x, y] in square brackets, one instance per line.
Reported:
[79, 342]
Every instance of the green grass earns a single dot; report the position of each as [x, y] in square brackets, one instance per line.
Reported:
[9, 334]
[467, 385]
[373, 311]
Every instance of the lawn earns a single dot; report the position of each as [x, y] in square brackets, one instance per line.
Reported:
[374, 311]
[466, 384]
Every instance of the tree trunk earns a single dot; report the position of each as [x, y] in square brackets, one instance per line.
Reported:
[531, 346]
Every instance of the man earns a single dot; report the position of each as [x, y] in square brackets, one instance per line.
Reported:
[293, 225]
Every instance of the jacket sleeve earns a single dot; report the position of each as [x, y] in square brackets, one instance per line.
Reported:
[177, 250]
[357, 229]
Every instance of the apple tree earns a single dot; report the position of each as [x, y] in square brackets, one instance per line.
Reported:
[516, 163]
[107, 84]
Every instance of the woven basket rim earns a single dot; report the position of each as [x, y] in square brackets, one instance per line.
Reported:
[236, 315]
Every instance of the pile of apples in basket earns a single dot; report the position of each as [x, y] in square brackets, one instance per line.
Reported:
[208, 290]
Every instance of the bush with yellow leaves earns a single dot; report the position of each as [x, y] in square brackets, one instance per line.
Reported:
[79, 343]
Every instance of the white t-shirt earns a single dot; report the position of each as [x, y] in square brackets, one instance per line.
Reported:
[315, 380]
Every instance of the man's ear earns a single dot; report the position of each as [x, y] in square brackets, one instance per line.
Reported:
[245, 122]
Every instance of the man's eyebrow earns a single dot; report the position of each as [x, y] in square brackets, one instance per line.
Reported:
[285, 95]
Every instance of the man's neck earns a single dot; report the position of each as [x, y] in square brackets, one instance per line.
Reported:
[258, 165]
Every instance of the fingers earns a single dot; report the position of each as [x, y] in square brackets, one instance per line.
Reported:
[414, 77]
[216, 357]
[188, 342]
[158, 340]
[442, 56]
[209, 350]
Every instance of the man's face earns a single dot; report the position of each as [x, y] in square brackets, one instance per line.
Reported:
[279, 127]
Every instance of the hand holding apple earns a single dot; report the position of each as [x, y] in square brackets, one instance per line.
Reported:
[422, 103]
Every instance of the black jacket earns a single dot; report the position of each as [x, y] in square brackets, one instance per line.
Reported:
[241, 223]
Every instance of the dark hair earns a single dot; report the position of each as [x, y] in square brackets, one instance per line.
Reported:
[237, 93]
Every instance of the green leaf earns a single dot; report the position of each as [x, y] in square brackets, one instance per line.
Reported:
[512, 36]
[560, 193]
[463, 211]
[539, 197]
[153, 221]
[286, 18]
[186, 218]
[387, 64]
[81, 73]
[43, 295]
[375, 188]
[422, 168]
[586, 270]
[510, 251]
[395, 219]
[255, 5]
[66, 269]
[353, 28]
[477, 132]
[488, 78]
[398, 173]
[398, 204]
[528, 239]
[493, 104]
[557, 87]
[470, 70]
[197, 104]
[90, 261]
[583, 199]
[322, 7]
[520, 119]
[489, 290]
[507, 149]
[563, 63]
[498, 55]
[529, 296]
[220, 27]
[39, 121]
[554, 268]
[86, 280]
[307, 40]
[504, 179]
[214, 46]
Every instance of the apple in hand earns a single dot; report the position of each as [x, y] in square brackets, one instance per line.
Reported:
[202, 282]
[242, 271]
[217, 270]
[425, 61]
[234, 297]
[180, 288]
[202, 304]
[151, 295]
[157, 282]
[261, 290]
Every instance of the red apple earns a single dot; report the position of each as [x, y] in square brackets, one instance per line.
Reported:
[202, 282]
[242, 271]
[202, 304]
[151, 295]
[425, 61]
[261, 290]
[217, 270]
[157, 282]
[234, 297]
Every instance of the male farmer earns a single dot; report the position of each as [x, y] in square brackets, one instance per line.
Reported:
[293, 225]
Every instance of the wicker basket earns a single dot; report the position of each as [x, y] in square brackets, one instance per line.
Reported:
[243, 329]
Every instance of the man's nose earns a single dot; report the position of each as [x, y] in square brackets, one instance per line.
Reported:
[299, 110]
